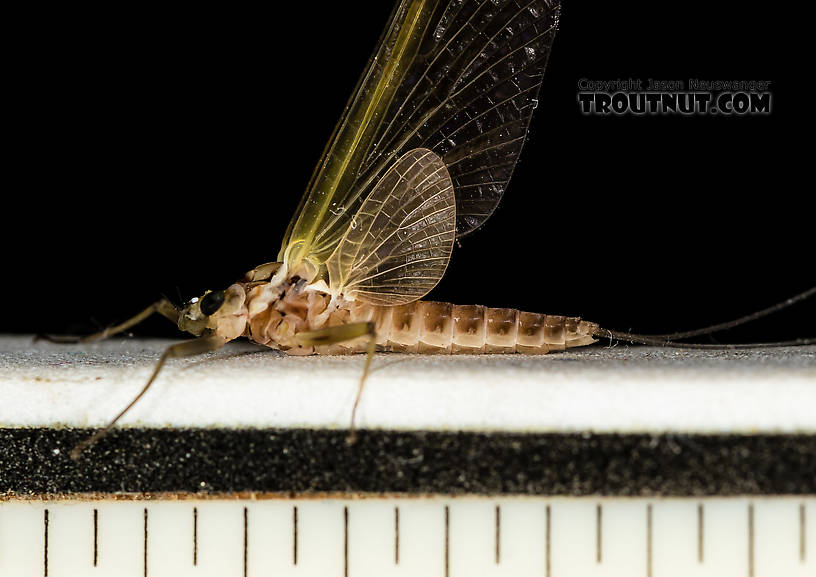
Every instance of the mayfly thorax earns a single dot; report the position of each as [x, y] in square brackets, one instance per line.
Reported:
[421, 156]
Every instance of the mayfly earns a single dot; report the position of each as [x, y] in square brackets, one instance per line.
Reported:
[421, 156]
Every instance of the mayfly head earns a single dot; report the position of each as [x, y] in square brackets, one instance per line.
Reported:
[222, 312]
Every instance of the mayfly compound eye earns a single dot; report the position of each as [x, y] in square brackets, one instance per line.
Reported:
[211, 302]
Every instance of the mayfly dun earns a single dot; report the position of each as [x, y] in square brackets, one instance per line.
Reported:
[421, 156]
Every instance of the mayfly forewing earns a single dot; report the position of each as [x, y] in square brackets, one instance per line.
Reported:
[460, 78]
[332, 196]
[399, 242]
[477, 89]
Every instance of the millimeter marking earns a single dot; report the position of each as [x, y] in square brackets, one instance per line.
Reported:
[700, 527]
[45, 543]
[144, 558]
[498, 533]
[447, 541]
[547, 539]
[294, 535]
[598, 536]
[345, 542]
[802, 534]
[246, 540]
[649, 540]
[96, 536]
[195, 536]
[396, 535]
[750, 540]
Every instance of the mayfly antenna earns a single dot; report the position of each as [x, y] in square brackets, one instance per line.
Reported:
[668, 340]
[163, 307]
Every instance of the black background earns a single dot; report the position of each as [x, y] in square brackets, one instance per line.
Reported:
[163, 152]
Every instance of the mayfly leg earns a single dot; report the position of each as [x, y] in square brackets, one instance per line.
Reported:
[340, 334]
[164, 307]
[198, 346]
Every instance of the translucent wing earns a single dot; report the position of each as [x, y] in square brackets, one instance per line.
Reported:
[399, 242]
[458, 77]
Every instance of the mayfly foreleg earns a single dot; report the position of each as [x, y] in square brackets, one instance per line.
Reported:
[198, 346]
[163, 307]
[341, 334]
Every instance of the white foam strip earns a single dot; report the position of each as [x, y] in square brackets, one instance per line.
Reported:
[595, 389]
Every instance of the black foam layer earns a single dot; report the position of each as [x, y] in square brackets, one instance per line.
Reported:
[299, 461]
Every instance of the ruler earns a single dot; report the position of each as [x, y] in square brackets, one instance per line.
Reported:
[423, 536]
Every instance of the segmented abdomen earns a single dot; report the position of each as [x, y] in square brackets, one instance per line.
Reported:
[434, 327]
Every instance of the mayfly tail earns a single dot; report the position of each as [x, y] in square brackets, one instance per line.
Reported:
[742, 320]
[668, 340]
[660, 341]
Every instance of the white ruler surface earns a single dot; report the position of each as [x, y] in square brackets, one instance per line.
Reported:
[424, 536]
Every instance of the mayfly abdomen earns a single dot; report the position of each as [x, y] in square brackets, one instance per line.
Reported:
[443, 328]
